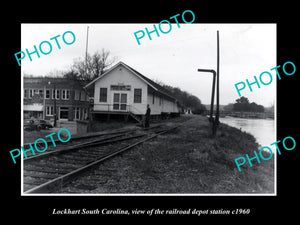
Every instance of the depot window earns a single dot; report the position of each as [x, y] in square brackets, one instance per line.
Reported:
[103, 95]
[137, 95]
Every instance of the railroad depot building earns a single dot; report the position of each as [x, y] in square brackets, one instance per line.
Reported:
[123, 90]
[40, 94]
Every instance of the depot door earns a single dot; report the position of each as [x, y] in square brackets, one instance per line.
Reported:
[120, 101]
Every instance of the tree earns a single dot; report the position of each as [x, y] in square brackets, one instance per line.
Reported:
[242, 100]
[186, 99]
[93, 66]
[243, 104]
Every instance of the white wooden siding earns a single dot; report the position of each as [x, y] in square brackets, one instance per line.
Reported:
[166, 105]
[122, 75]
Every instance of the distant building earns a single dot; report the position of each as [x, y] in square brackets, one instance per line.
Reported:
[188, 111]
[123, 90]
[41, 93]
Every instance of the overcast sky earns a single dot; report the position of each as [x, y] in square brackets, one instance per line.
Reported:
[245, 50]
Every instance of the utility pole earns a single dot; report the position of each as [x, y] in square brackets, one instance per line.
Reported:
[89, 106]
[86, 48]
[218, 78]
[54, 102]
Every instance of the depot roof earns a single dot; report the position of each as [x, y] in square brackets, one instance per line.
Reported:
[150, 82]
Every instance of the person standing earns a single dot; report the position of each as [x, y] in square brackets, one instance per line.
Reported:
[147, 116]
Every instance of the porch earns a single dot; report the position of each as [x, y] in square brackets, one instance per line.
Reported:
[117, 111]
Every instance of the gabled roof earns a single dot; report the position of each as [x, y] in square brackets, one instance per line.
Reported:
[150, 82]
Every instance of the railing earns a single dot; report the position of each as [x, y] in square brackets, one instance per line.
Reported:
[136, 110]
[117, 107]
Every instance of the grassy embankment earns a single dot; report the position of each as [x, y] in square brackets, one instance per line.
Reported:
[187, 160]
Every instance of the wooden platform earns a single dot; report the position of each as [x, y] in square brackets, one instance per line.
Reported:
[138, 118]
[111, 112]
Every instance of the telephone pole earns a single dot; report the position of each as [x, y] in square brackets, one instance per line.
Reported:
[86, 49]
[218, 78]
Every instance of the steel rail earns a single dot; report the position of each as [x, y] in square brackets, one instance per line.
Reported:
[83, 145]
[97, 134]
[60, 181]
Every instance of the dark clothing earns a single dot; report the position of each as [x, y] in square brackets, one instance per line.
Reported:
[147, 117]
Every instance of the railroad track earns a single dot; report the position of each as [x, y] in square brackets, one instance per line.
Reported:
[49, 171]
[76, 139]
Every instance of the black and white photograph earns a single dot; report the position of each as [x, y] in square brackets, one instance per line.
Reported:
[149, 116]
[149, 111]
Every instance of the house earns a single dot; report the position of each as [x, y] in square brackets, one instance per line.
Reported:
[123, 90]
[42, 94]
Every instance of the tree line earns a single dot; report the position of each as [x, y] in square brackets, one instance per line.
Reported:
[186, 99]
[243, 104]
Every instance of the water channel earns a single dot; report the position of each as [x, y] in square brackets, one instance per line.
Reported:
[262, 129]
